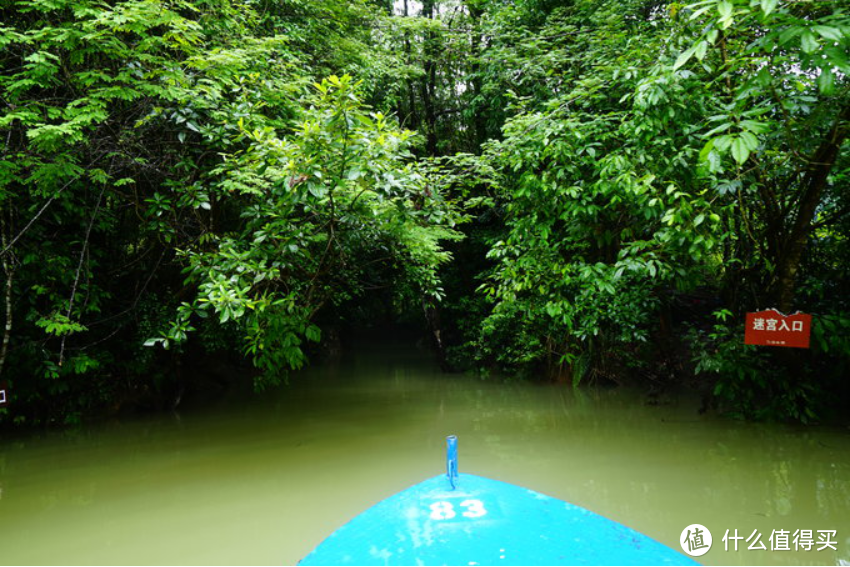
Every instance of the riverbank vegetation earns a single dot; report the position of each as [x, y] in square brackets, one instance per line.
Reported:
[582, 191]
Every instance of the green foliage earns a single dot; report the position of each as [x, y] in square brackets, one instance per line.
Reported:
[772, 110]
[601, 213]
[775, 119]
[318, 207]
[114, 120]
[673, 147]
[754, 383]
[208, 176]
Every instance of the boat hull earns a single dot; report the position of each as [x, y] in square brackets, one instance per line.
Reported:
[485, 522]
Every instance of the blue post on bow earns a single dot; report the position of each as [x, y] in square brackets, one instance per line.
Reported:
[451, 459]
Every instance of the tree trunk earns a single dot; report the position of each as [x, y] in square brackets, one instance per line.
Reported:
[432, 316]
[7, 331]
[413, 122]
[814, 182]
[478, 106]
[428, 84]
[9, 270]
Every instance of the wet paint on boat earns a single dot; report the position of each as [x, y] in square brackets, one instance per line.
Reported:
[464, 519]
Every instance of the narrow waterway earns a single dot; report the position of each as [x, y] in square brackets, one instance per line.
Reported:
[264, 480]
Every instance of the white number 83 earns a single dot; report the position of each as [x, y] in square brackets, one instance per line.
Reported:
[445, 511]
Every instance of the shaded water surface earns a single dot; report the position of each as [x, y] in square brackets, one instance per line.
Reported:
[264, 480]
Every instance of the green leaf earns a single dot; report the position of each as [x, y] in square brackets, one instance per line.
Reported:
[750, 141]
[739, 150]
[829, 32]
[768, 6]
[700, 50]
[808, 42]
[317, 190]
[725, 9]
[722, 128]
[836, 56]
[826, 82]
[789, 34]
[697, 13]
[313, 333]
[722, 143]
[754, 126]
[684, 57]
[703, 155]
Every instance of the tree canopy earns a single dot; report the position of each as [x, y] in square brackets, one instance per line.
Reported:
[579, 191]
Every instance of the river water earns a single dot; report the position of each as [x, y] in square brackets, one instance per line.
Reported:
[263, 480]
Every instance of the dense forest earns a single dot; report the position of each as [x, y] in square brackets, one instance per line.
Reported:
[582, 191]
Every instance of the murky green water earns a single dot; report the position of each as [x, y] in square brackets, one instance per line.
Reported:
[264, 481]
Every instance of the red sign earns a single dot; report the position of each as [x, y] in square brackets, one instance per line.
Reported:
[772, 328]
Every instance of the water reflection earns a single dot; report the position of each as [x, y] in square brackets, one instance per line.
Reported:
[261, 481]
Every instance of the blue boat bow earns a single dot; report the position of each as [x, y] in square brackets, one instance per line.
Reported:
[463, 519]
